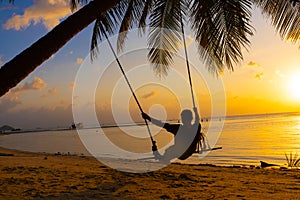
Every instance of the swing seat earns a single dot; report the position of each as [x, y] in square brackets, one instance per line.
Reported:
[209, 149]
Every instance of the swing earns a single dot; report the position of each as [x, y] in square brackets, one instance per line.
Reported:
[196, 145]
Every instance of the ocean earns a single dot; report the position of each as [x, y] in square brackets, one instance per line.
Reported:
[245, 140]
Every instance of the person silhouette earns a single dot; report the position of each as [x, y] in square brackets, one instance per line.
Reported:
[186, 136]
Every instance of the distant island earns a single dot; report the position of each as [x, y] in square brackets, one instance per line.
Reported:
[76, 126]
[8, 129]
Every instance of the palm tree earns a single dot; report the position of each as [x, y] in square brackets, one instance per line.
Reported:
[222, 29]
[14, 71]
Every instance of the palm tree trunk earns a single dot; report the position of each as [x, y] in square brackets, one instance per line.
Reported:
[24, 63]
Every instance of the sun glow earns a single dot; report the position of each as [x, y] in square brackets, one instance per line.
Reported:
[294, 86]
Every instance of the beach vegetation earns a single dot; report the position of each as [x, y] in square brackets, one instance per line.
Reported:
[293, 161]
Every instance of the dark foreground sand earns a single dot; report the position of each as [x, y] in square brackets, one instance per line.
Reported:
[40, 176]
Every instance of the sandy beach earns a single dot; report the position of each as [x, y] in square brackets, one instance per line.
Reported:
[42, 176]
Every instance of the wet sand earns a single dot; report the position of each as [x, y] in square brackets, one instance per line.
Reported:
[41, 176]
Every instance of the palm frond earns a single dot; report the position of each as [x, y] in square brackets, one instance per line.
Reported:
[145, 13]
[123, 16]
[164, 37]
[9, 1]
[74, 4]
[107, 22]
[285, 17]
[97, 35]
[131, 16]
[222, 28]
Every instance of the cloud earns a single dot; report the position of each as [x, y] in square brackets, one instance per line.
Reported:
[45, 117]
[79, 61]
[53, 90]
[8, 103]
[253, 64]
[255, 70]
[72, 84]
[280, 74]
[149, 95]
[188, 41]
[64, 102]
[50, 92]
[47, 12]
[1, 62]
[11, 99]
[36, 84]
[259, 76]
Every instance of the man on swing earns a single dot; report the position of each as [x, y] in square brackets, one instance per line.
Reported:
[187, 135]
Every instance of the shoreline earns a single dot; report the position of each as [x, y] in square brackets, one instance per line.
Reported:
[229, 161]
[239, 164]
[250, 163]
[29, 175]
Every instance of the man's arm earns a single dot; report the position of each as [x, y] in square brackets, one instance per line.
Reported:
[172, 128]
[153, 120]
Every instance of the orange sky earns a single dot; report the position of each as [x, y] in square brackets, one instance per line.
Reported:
[263, 83]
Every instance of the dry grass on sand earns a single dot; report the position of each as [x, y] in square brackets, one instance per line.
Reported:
[39, 176]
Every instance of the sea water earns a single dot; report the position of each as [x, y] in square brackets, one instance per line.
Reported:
[245, 140]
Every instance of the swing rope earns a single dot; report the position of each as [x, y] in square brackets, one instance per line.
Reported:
[154, 147]
[187, 63]
[192, 93]
[198, 147]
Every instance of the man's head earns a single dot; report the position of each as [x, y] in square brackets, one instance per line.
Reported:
[186, 117]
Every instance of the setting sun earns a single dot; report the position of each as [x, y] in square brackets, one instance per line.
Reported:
[294, 85]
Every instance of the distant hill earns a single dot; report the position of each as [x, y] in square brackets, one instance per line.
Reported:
[6, 128]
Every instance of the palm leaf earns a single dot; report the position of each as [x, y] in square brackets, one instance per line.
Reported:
[142, 22]
[164, 36]
[126, 14]
[222, 28]
[131, 16]
[285, 17]
[74, 4]
[107, 22]
[9, 1]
